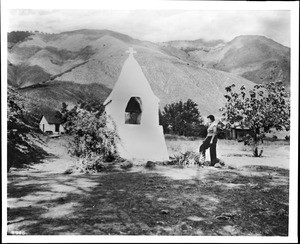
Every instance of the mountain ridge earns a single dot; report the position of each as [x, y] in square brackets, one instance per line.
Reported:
[96, 57]
[254, 57]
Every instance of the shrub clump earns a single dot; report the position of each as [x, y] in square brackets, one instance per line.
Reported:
[94, 142]
[94, 164]
[150, 165]
[186, 158]
[182, 119]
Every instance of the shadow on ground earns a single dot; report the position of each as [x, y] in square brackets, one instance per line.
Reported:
[225, 202]
[20, 159]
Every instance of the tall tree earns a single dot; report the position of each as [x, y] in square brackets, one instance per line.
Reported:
[183, 117]
[260, 109]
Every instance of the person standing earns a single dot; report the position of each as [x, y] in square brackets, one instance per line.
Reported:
[210, 142]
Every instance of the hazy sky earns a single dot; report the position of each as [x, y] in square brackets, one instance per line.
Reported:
[159, 25]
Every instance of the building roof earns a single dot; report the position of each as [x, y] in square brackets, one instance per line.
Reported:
[51, 117]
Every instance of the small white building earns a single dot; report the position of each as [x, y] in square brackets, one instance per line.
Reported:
[133, 107]
[51, 123]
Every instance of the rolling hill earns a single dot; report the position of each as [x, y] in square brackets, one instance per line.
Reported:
[80, 64]
[256, 58]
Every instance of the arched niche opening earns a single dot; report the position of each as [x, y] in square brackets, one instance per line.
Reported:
[133, 111]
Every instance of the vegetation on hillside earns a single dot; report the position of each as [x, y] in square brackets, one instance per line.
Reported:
[183, 119]
[260, 109]
[21, 128]
[18, 36]
[50, 96]
[24, 75]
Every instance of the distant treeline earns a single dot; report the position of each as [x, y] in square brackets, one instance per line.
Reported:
[192, 49]
[19, 36]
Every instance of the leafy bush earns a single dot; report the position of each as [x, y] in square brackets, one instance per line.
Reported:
[93, 141]
[183, 119]
[69, 117]
[92, 136]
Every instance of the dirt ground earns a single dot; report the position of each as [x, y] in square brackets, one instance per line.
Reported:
[247, 197]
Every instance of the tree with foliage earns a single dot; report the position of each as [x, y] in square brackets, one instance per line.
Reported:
[69, 117]
[17, 36]
[262, 108]
[93, 106]
[93, 141]
[183, 119]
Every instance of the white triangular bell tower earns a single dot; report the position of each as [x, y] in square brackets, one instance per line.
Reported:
[134, 108]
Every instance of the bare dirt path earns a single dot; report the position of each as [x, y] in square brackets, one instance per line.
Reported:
[247, 200]
[60, 161]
